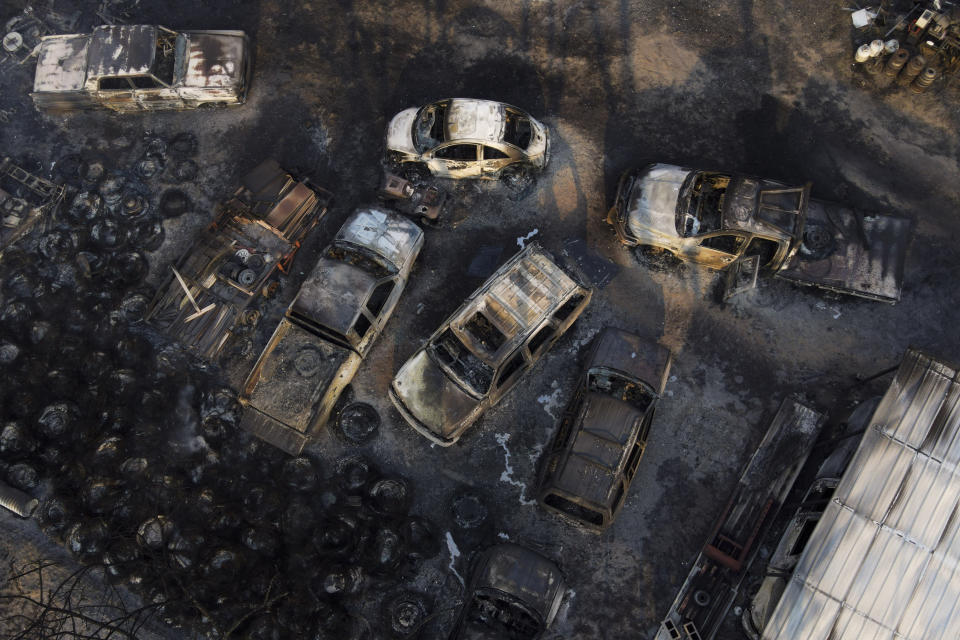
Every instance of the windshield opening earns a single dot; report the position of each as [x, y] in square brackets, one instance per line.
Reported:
[510, 620]
[517, 130]
[428, 130]
[485, 334]
[318, 329]
[461, 363]
[165, 57]
[354, 256]
[611, 384]
[701, 203]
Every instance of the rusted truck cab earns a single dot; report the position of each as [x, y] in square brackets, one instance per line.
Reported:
[480, 353]
[329, 327]
[141, 68]
[215, 285]
[587, 471]
[732, 221]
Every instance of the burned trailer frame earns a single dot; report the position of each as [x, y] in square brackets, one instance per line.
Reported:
[27, 203]
[719, 571]
[586, 473]
[233, 262]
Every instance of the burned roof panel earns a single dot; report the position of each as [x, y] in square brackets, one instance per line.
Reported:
[62, 63]
[643, 360]
[333, 294]
[513, 569]
[122, 50]
[887, 548]
[468, 119]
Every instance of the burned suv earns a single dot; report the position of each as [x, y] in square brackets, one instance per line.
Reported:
[603, 431]
[466, 138]
[329, 327]
[216, 283]
[141, 67]
[514, 593]
[486, 346]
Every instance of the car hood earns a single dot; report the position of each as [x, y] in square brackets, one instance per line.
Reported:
[431, 397]
[652, 205]
[400, 131]
[529, 577]
[215, 59]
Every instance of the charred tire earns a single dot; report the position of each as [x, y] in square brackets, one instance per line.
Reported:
[656, 259]
[415, 172]
[517, 177]
[818, 242]
[359, 422]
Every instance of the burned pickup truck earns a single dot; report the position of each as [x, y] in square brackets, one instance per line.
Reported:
[329, 327]
[26, 202]
[141, 68]
[213, 288]
[748, 226]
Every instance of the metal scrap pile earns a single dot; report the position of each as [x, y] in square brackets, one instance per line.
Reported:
[908, 46]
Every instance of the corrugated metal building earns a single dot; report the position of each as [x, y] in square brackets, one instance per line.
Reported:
[883, 561]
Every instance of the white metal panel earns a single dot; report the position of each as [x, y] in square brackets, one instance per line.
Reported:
[887, 577]
[926, 501]
[910, 405]
[811, 615]
[934, 608]
[835, 550]
[853, 625]
[866, 490]
[946, 446]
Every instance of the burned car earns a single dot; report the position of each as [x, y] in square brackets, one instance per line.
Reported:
[141, 68]
[486, 346]
[26, 202]
[514, 594]
[329, 327]
[467, 138]
[588, 469]
[751, 225]
[214, 286]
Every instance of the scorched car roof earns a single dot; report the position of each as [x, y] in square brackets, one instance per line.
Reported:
[522, 573]
[122, 50]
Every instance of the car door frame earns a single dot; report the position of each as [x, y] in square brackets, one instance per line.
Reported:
[446, 168]
[494, 166]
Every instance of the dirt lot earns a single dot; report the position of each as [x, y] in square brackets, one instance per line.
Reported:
[760, 87]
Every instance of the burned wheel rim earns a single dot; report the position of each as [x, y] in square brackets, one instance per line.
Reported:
[404, 614]
[469, 511]
[359, 422]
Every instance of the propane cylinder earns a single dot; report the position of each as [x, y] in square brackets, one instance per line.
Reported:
[876, 48]
[924, 80]
[863, 53]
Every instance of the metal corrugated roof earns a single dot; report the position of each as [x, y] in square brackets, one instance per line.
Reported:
[884, 560]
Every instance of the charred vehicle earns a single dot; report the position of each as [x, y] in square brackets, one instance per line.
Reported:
[486, 346]
[329, 327]
[26, 202]
[603, 431]
[466, 138]
[751, 225]
[142, 68]
[878, 558]
[514, 593]
[216, 283]
[724, 562]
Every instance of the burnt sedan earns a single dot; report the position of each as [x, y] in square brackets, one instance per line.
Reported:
[141, 67]
[329, 327]
[485, 347]
[603, 431]
[467, 138]
[514, 594]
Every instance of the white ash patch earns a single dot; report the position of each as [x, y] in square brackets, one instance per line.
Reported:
[454, 552]
[523, 240]
[507, 474]
[551, 401]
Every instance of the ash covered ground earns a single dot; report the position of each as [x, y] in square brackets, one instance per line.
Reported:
[764, 88]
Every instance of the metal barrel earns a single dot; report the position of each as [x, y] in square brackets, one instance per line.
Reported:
[912, 70]
[924, 80]
[896, 62]
[17, 501]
